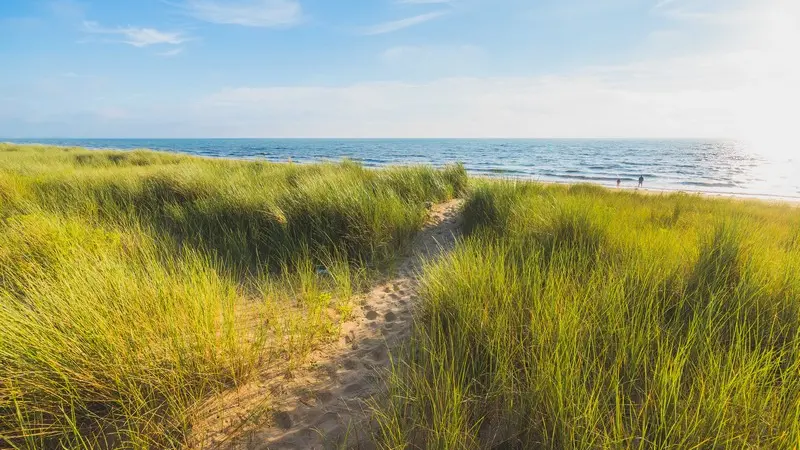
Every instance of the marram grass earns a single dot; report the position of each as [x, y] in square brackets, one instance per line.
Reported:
[580, 318]
[134, 285]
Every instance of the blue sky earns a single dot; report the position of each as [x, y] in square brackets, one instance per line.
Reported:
[399, 68]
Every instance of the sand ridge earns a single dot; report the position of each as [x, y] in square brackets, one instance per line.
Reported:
[323, 405]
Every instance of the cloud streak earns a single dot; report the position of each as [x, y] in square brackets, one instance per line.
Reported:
[701, 96]
[684, 97]
[170, 53]
[397, 25]
[663, 3]
[249, 13]
[433, 60]
[423, 2]
[136, 36]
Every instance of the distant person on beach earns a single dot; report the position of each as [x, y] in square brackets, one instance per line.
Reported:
[618, 182]
[641, 180]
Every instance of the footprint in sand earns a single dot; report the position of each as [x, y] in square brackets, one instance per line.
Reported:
[327, 421]
[323, 396]
[329, 428]
[283, 420]
[298, 442]
[390, 316]
[353, 388]
[334, 438]
[372, 315]
[372, 379]
[350, 364]
[378, 355]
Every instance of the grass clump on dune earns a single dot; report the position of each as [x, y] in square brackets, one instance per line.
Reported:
[135, 284]
[583, 318]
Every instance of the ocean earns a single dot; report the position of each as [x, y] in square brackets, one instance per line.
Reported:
[724, 167]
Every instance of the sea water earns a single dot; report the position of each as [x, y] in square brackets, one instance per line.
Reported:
[725, 167]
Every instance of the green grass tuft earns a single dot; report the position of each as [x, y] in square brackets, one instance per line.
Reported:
[135, 285]
[576, 317]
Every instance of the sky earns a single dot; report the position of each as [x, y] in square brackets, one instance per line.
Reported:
[400, 68]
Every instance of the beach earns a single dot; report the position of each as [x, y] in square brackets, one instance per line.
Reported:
[168, 301]
[719, 166]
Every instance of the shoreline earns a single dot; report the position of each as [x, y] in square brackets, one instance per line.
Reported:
[770, 198]
[766, 197]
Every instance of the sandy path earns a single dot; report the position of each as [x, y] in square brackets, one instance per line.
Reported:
[323, 406]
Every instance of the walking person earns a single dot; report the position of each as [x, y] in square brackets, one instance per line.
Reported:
[641, 180]
[618, 182]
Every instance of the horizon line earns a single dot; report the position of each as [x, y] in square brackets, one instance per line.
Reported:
[7, 139]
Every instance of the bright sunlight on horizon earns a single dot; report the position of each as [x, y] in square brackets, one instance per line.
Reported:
[770, 99]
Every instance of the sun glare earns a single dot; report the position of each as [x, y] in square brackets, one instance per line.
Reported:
[769, 101]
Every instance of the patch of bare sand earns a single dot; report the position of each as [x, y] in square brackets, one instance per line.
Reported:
[322, 405]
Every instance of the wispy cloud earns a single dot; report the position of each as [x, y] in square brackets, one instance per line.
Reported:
[422, 2]
[433, 61]
[249, 13]
[137, 37]
[70, 10]
[663, 3]
[396, 25]
[575, 105]
[454, 57]
[739, 14]
[170, 53]
[707, 95]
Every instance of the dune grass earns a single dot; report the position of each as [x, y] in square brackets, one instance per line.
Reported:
[577, 317]
[135, 284]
